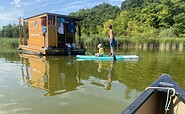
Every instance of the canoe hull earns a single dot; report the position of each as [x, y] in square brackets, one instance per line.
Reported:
[153, 101]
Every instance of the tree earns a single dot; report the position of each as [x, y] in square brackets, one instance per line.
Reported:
[95, 17]
[131, 4]
[152, 15]
[121, 23]
[10, 31]
[179, 25]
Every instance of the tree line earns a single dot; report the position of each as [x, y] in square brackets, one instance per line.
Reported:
[135, 18]
[9, 31]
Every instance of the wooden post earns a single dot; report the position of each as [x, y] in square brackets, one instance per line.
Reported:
[46, 35]
[24, 30]
[56, 20]
[20, 34]
[79, 35]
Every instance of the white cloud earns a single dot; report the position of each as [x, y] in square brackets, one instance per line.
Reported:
[9, 17]
[16, 3]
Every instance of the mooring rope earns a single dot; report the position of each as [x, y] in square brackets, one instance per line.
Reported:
[168, 98]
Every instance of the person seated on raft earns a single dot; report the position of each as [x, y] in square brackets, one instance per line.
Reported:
[100, 52]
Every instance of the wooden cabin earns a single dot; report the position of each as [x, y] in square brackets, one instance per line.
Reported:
[50, 33]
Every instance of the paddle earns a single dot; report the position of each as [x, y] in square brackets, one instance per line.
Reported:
[114, 58]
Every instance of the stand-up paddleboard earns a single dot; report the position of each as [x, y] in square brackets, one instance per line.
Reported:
[106, 57]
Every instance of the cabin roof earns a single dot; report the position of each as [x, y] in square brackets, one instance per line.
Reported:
[53, 14]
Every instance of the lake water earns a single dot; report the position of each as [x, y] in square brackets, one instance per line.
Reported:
[61, 85]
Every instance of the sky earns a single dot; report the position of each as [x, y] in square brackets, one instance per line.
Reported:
[11, 10]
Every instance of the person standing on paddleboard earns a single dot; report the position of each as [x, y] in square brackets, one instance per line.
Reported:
[112, 41]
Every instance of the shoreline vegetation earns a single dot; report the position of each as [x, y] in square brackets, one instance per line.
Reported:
[9, 43]
[161, 44]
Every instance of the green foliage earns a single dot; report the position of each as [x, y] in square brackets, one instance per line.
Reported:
[167, 33]
[138, 21]
[9, 43]
[10, 31]
[131, 4]
[94, 40]
[179, 25]
[153, 18]
[94, 18]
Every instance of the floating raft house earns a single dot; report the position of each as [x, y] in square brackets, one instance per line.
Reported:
[50, 33]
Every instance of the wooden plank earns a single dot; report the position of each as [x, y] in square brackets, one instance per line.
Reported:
[36, 40]
[34, 29]
[33, 49]
[35, 33]
[37, 44]
[40, 44]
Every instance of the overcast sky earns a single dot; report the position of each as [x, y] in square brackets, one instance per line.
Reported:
[11, 10]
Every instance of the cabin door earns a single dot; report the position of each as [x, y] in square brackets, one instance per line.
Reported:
[52, 36]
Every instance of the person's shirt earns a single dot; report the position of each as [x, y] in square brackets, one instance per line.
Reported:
[101, 51]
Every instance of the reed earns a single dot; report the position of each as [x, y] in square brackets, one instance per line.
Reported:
[9, 43]
[143, 43]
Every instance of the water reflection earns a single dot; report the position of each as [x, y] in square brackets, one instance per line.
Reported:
[52, 74]
[109, 75]
[61, 74]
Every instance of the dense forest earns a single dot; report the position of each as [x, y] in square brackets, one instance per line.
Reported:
[134, 19]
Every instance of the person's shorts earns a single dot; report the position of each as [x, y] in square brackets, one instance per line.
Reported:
[113, 44]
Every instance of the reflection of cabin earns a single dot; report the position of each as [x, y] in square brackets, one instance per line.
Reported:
[51, 74]
[51, 34]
